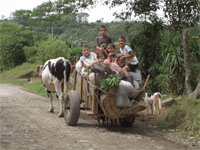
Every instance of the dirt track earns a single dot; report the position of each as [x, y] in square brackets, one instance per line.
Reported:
[26, 124]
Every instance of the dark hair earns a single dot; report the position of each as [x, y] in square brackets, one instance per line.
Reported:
[103, 53]
[122, 37]
[102, 26]
[112, 44]
[84, 46]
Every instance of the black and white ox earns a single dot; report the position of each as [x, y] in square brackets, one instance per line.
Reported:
[55, 78]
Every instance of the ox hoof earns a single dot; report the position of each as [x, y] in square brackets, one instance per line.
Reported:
[51, 110]
[61, 115]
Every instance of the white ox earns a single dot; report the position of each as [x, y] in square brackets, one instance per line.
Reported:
[55, 78]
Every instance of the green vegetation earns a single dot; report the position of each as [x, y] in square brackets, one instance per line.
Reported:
[11, 77]
[186, 117]
[8, 76]
[162, 127]
[110, 82]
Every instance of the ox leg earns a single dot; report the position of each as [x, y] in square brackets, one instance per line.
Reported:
[60, 98]
[51, 101]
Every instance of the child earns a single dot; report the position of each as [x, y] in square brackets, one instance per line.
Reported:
[98, 66]
[129, 57]
[88, 59]
[117, 65]
[103, 40]
[101, 56]
[111, 48]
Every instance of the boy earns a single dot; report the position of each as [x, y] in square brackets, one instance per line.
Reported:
[103, 40]
[131, 59]
[88, 59]
[111, 48]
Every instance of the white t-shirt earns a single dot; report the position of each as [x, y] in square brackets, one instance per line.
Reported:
[90, 59]
[125, 51]
[87, 61]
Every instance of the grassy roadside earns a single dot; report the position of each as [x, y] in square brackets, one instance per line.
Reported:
[11, 77]
[182, 119]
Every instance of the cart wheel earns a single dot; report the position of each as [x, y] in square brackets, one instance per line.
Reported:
[126, 122]
[72, 108]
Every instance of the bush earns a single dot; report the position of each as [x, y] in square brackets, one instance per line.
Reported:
[30, 53]
[51, 48]
[73, 54]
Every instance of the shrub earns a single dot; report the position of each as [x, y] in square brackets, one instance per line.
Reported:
[73, 54]
[51, 48]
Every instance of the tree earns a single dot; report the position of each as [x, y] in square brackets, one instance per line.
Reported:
[82, 17]
[186, 53]
[182, 13]
[13, 38]
[23, 16]
[195, 94]
[46, 14]
[142, 8]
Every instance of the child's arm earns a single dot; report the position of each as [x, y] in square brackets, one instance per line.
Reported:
[130, 55]
[99, 48]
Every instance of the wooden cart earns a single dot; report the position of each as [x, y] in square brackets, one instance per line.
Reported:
[87, 96]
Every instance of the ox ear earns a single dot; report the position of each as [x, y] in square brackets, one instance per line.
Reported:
[39, 70]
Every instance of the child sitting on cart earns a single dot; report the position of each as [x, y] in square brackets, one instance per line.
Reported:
[87, 60]
[129, 57]
[103, 40]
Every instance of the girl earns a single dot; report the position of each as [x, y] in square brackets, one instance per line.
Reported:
[129, 57]
[98, 66]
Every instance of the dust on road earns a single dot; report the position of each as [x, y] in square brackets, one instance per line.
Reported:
[26, 124]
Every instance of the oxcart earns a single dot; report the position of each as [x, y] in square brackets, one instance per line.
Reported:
[94, 101]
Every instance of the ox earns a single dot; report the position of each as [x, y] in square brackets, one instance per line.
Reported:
[55, 78]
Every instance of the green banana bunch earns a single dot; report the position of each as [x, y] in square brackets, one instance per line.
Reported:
[110, 82]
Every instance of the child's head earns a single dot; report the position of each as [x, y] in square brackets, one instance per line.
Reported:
[121, 41]
[101, 55]
[111, 48]
[85, 50]
[120, 62]
[102, 30]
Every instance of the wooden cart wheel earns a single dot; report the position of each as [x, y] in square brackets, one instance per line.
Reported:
[72, 108]
[127, 122]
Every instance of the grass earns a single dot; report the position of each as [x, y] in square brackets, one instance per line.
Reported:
[161, 127]
[11, 77]
[36, 86]
[186, 117]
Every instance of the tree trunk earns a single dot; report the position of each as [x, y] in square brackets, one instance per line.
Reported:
[195, 94]
[186, 53]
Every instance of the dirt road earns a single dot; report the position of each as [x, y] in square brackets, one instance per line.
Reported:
[26, 124]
